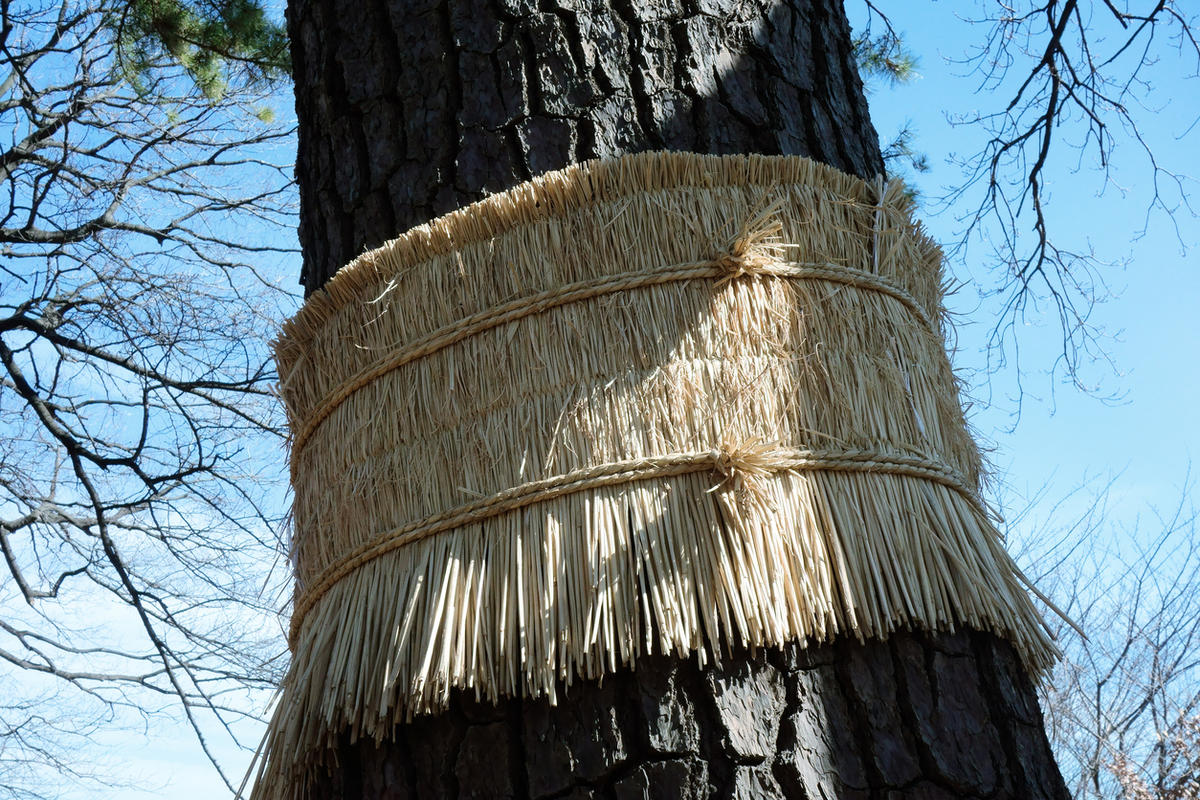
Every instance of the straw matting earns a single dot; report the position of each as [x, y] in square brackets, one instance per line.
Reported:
[666, 403]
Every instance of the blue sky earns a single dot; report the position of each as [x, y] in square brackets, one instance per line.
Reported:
[1062, 437]
[1150, 432]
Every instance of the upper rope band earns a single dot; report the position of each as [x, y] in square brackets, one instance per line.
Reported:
[758, 260]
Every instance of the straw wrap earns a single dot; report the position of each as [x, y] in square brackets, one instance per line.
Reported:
[665, 403]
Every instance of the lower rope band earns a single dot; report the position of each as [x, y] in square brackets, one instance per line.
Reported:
[747, 462]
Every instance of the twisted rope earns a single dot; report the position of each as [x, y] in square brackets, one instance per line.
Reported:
[740, 261]
[747, 463]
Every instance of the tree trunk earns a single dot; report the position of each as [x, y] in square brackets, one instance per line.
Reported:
[915, 716]
[409, 109]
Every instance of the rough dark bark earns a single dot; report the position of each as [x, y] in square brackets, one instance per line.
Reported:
[411, 108]
[915, 716]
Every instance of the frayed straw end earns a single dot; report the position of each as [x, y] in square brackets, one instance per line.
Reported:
[747, 466]
[756, 247]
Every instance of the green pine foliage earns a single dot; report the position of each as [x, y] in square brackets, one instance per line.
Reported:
[884, 56]
[216, 42]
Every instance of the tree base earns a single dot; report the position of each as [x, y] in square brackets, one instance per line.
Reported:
[915, 716]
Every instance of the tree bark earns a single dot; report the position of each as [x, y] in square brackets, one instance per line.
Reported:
[412, 108]
[409, 109]
[916, 716]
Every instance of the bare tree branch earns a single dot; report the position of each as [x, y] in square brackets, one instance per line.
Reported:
[141, 228]
[1123, 708]
[1077, 76]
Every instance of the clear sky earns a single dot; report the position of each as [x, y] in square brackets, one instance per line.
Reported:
[1062, 437]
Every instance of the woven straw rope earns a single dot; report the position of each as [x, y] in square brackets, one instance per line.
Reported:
[731, 462]
[725, 267]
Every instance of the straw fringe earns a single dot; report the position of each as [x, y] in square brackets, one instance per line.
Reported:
[744, 466]
[666, 403]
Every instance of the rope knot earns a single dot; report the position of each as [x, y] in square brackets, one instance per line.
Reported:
[746, 467]
[756, 247]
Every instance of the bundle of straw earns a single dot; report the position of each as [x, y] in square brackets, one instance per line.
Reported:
[667, 403]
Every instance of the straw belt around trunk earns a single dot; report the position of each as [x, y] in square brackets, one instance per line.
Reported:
[666, 403]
